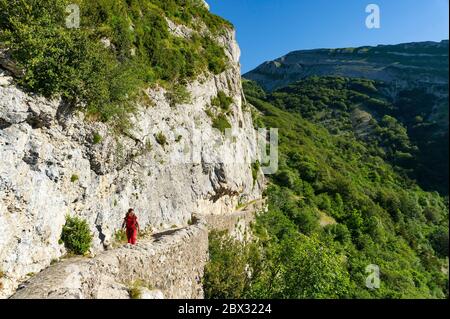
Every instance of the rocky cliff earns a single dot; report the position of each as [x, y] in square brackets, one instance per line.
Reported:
[56, 163]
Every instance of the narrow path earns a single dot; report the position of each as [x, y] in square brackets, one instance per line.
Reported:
[170, 261]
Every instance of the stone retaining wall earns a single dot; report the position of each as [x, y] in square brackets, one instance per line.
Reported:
[171, 262]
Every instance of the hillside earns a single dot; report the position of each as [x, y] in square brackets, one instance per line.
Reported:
[335, 208]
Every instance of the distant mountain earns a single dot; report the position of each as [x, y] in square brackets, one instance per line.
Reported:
[421, 62]
[408, 82]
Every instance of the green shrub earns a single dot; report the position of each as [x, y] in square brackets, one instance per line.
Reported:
[210, 113]
[161, 139]
[306, 219]
[135, 288]
[74, 178]
[135, 292]
[222, 101]
[76, 235]
[313, 271]
[432, 214]
[339, 232]
[221, 123]
[213, 54]
[178, 95]
[440, 242]
[285, 178]
[256, 166]
[226, 274]
[120, 236]
[97, 138]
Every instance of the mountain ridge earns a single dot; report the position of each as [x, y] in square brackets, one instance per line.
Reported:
[411, 79]
[366, 63]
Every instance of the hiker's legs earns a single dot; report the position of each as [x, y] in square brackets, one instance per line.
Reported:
[129, 235]
[134, 237]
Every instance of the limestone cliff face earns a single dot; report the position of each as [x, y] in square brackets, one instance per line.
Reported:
[52, 165]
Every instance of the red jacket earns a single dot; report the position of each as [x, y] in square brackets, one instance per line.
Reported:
[131, 222]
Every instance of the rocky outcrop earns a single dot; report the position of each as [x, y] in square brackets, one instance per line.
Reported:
[8, 64]
[205, 4]
[55, 162]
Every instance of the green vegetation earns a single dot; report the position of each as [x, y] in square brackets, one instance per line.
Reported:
[76, 235]
[120, 236]
[54, 261]
[102, 80]
[395, 130]
[220, 107]
[148, 147]
[135, 292]
[210, 113]
[222, 101]
[255, 170]
[74, 178]
[221, 123]
[381, 216]
[97, 138]
[226, 273]
[178, 95]
[161, 139]
[135, 289]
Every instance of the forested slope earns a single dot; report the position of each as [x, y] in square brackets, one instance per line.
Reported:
[336, 206]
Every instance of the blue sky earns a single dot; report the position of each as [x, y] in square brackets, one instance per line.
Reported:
[267, 29]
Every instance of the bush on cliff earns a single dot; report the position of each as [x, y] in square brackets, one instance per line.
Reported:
[76, 235]
[222, 101]
[221, 123]
[120, 47]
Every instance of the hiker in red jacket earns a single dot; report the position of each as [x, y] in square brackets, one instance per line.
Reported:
[132, 226]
